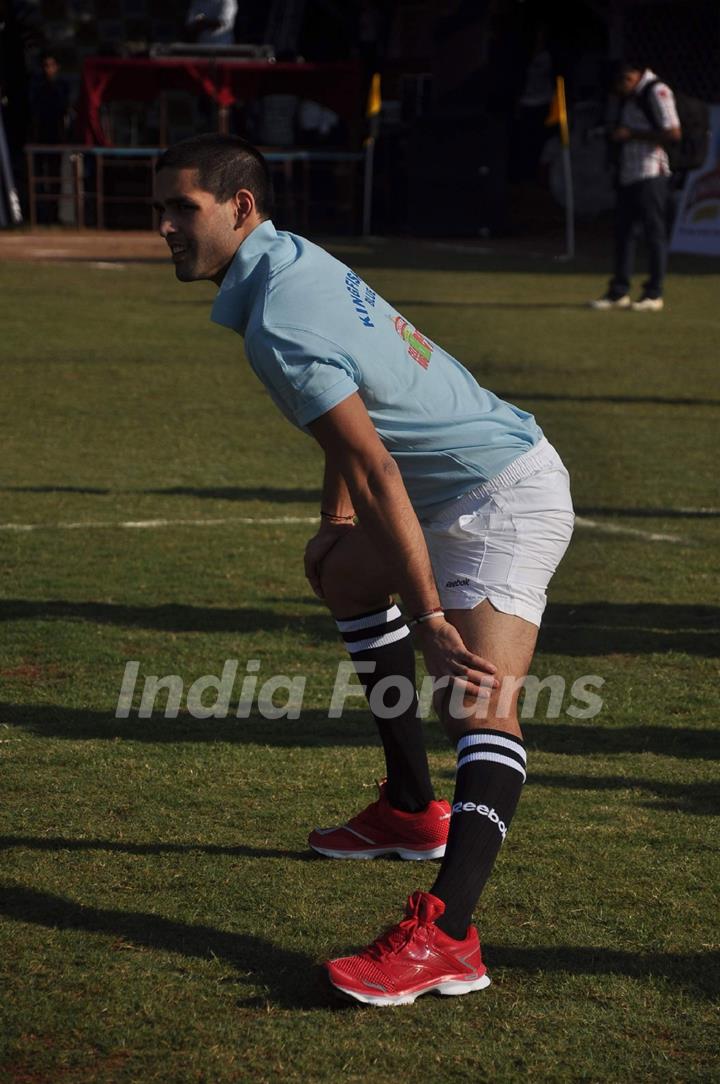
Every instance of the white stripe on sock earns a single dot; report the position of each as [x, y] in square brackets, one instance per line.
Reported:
[377, 641]
[497, 758]
[369, 620]
[481, 738]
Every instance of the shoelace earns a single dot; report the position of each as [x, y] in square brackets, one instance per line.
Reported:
[396, 938]
[364, 815]
[370, 810]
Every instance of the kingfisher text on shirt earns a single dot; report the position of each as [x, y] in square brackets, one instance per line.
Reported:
[353, 284]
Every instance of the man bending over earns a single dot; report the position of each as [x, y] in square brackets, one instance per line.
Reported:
[436, 491]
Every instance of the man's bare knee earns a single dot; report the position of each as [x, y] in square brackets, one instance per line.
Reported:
[347, 587]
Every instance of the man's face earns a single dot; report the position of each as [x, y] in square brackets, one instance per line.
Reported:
[199, 231]
[627, 82]
[50, 67]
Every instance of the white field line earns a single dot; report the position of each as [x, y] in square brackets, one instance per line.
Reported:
[633, 532]
[153, 524]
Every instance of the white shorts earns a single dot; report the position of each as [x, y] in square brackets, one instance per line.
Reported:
[504, 539]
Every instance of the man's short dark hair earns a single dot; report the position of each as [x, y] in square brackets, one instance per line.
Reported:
[225, 163]
[625, 65]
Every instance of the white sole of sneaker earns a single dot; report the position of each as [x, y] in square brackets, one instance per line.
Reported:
[450, 988]
[409, 856]
[610, 306]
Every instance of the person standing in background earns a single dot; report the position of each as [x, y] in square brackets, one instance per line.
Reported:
[647, 123]
[49, 121]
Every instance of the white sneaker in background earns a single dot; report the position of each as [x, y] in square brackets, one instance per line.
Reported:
[603, 304]
[648, 304]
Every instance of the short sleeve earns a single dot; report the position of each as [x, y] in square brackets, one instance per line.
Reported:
[664, 101]
[305, 374]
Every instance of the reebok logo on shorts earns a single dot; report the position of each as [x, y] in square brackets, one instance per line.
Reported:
[484, 811]
[458, 583]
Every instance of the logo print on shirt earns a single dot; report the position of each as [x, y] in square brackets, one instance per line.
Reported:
[419, 348]
[354, 284]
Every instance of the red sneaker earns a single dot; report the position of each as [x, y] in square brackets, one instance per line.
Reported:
[411, 959]
[381, 829]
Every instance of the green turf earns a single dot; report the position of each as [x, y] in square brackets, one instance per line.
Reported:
[160, 919]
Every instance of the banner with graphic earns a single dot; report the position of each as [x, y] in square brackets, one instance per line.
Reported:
[697, 224]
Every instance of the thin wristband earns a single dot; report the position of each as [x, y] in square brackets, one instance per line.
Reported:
[336, 517]
[426, 617]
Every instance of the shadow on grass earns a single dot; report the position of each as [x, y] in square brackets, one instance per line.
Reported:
[697, 798]
[649, 513]
[579, 739]
[572, 397]
[270, 494]
[686, 743]
[604, 628]
[279, 495]
[480, 303]
[241, 493]
[697, 972]
[172, 617]
[88, 490]
[283, 972]
[61, 843]
[354, 729]
[313, 729]
[582, 629]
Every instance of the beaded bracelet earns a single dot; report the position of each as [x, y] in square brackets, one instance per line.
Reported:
[334, 516]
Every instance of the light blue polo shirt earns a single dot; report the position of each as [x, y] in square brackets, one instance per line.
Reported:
[315, 333]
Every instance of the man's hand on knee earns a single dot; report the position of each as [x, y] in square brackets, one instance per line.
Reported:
[446, 656]
[318, 548]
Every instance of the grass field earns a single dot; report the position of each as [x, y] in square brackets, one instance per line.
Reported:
[160, 917]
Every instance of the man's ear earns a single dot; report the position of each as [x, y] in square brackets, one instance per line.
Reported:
[244, 206]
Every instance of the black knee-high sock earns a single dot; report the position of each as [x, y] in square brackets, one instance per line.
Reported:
[490, 776]
[382, 637]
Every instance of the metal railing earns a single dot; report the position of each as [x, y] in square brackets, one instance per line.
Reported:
[71, 185]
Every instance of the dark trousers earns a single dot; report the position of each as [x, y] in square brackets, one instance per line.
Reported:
[644, 204]
[48, 170]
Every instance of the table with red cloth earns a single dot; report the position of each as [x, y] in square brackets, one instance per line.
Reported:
[338, 86]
